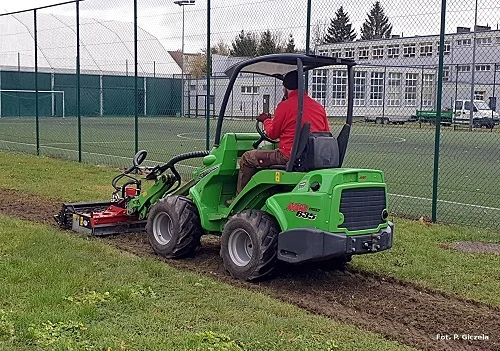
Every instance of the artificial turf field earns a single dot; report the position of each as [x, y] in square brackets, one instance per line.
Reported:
[469, 168]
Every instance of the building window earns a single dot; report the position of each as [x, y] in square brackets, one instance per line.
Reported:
[339, 87]
[394, 89]
[464, 42]
[446, 73]
[426, 49]
[409, 50]
[483, 68]
[323, 52]
[349, 53]
[377, 89]
[192, 87]
[336, 52]
[393, 51]
[463, 68]
[249, 89]
[447, 48]
[428, 90]
[359, 88]
[378, 52]
[497, 67]
[483, 41]
[364, 53]
[411, 89]
[479, 94]
[319, 81]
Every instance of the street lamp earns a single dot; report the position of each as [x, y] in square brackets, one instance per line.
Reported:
[183, 3]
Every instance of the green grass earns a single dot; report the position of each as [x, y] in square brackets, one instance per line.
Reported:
[62, 292]
[415, 257]
[469, 162]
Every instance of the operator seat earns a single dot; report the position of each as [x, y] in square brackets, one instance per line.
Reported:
[316, 150]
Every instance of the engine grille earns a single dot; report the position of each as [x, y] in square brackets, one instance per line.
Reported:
[362, 208]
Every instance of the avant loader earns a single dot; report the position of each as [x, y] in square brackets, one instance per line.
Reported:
[311, 209]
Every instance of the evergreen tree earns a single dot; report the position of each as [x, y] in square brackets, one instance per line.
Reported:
[377, 24]
[340, 29]
[245, 44]
[268, 44]
[290, 46]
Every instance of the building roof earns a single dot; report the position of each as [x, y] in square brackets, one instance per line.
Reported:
[105, 46]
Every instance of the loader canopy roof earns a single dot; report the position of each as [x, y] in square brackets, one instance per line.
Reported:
[278, 65]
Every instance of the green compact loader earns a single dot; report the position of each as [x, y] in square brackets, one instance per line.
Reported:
[311, 209]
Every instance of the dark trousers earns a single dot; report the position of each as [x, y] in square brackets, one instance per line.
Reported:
[257, 158]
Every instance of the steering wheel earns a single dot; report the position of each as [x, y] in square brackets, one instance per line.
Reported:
[262, 133]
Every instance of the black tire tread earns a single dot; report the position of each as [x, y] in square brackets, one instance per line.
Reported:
[185, 212]
[267, 230]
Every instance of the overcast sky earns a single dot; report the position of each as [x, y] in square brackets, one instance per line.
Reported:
[163, 18]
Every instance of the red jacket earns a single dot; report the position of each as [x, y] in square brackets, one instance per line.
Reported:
[282, 126]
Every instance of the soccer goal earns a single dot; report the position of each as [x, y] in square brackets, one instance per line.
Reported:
[22, 103]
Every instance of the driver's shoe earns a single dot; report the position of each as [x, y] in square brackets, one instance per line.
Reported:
[229, 202]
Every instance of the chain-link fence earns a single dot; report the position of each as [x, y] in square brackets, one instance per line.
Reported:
[109, 78]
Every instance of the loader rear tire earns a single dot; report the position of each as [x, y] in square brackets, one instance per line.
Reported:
[249, 245]
[173, 227]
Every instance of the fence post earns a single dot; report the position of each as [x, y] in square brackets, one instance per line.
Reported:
[308, 39]
[136, 99]
[78, 83]
[209, 70]
[438, 112]
[37, 126]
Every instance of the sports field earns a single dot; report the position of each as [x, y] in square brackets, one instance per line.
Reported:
[469, 191]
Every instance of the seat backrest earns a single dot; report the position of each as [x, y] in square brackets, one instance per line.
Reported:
[317, 150]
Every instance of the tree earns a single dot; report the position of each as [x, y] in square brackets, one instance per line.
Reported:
[290, 45]
[319, 33]
[221, 48]
[340, 29]
[198, 65]
[245, 44]
[377, 24]
[269, 44]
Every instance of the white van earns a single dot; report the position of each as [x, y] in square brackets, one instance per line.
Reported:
[482, 115]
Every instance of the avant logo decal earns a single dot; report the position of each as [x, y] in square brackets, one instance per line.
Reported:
[302, 211]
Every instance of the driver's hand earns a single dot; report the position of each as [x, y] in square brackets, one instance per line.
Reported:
[263, 116]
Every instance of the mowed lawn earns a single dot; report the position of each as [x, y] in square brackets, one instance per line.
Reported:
[417, 255]
[468, 172]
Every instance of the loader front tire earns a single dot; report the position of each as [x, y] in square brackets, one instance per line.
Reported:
[249, 245]
[173, 227]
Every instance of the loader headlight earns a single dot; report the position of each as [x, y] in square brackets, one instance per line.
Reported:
[385, 214]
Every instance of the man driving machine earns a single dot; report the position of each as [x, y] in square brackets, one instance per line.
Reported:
[282, 127]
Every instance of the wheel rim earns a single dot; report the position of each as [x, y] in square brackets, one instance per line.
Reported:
[162, 228]
[240, 247]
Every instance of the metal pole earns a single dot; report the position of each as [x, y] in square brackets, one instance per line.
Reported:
[209, 69]
[78, 92]
[422, 89]
[182, 65]
[494, 86]
[438, 113]
[18, 84]
[136, 98]
[154, 69]
[383, 94]
[308, 38]
[471, 112]
[37, 126]
[253, 95]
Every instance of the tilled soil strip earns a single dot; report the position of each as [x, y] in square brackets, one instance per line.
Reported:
[399, 311]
